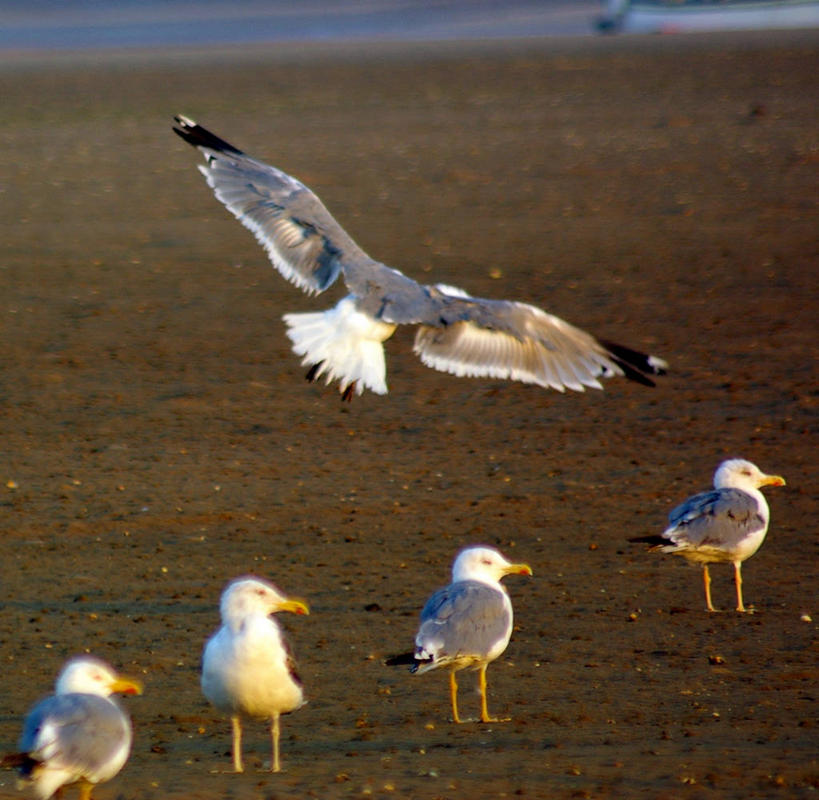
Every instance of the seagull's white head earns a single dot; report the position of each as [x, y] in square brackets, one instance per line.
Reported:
[89, 675]
[247, 596]
[736, 473]
[485, 564]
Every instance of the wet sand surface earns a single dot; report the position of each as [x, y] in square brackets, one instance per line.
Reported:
[160, 439]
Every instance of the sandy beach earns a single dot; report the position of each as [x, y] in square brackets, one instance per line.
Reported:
[160, 438]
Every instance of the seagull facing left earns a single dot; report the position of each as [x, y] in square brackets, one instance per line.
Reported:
[467, 624]
[79, 734]
[247, 666]
[463, 335]
[728, 523]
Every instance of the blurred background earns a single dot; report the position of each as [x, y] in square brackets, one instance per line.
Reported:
[134, 23]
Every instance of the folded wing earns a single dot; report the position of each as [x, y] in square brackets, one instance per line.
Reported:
[467, 619]
[83, 734]
[720, 518]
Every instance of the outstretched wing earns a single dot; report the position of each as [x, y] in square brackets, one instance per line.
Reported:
[306, 245]
[475, 337]
[721, 518]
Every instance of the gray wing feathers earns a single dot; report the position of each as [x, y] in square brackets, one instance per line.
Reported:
[464, 619]
[720, 517]
[458, 334]
[504, 339]
[465, 336]
[306, 245]
[76, 731]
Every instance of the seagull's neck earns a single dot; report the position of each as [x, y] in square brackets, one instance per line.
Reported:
[761, 502]
[246, 621]
[480, 578]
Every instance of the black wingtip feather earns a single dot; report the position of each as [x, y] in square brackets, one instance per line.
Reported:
[636, 366]
[197, 136]
[20, 761]
[653, 539]
[400, 660]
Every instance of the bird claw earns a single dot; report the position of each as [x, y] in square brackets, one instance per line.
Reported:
[348, 392]
[312, 373]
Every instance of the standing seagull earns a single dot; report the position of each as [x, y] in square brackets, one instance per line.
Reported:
[79, 734]
[468, 623]
[726, 524]
[247, 666]
[463, 335]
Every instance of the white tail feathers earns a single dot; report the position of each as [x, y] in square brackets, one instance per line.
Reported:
[344, 343]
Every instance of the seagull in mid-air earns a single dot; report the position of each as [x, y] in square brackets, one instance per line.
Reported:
[467, 624]
[728, 523]
[79, 734]
[247, 665]
[463, 335]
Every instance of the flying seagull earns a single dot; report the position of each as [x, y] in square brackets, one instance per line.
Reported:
[467, 624]
[247, 666]
[463, 335]
[726, 524]
[79, 734]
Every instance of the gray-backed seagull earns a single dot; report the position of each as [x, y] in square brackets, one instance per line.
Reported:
[463, 335]
[79, 734]
[467, 624]
[726, 524]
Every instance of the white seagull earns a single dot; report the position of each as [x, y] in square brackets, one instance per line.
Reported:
[726, 524]
[79, 734]
[247, 666]
[467, 624]
[463, 335]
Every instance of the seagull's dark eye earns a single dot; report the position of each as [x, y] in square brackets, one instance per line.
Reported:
[487, 562]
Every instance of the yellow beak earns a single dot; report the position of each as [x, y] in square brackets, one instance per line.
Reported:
[773, 480]
[518, 569]
[123, 685]
[294, 606]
